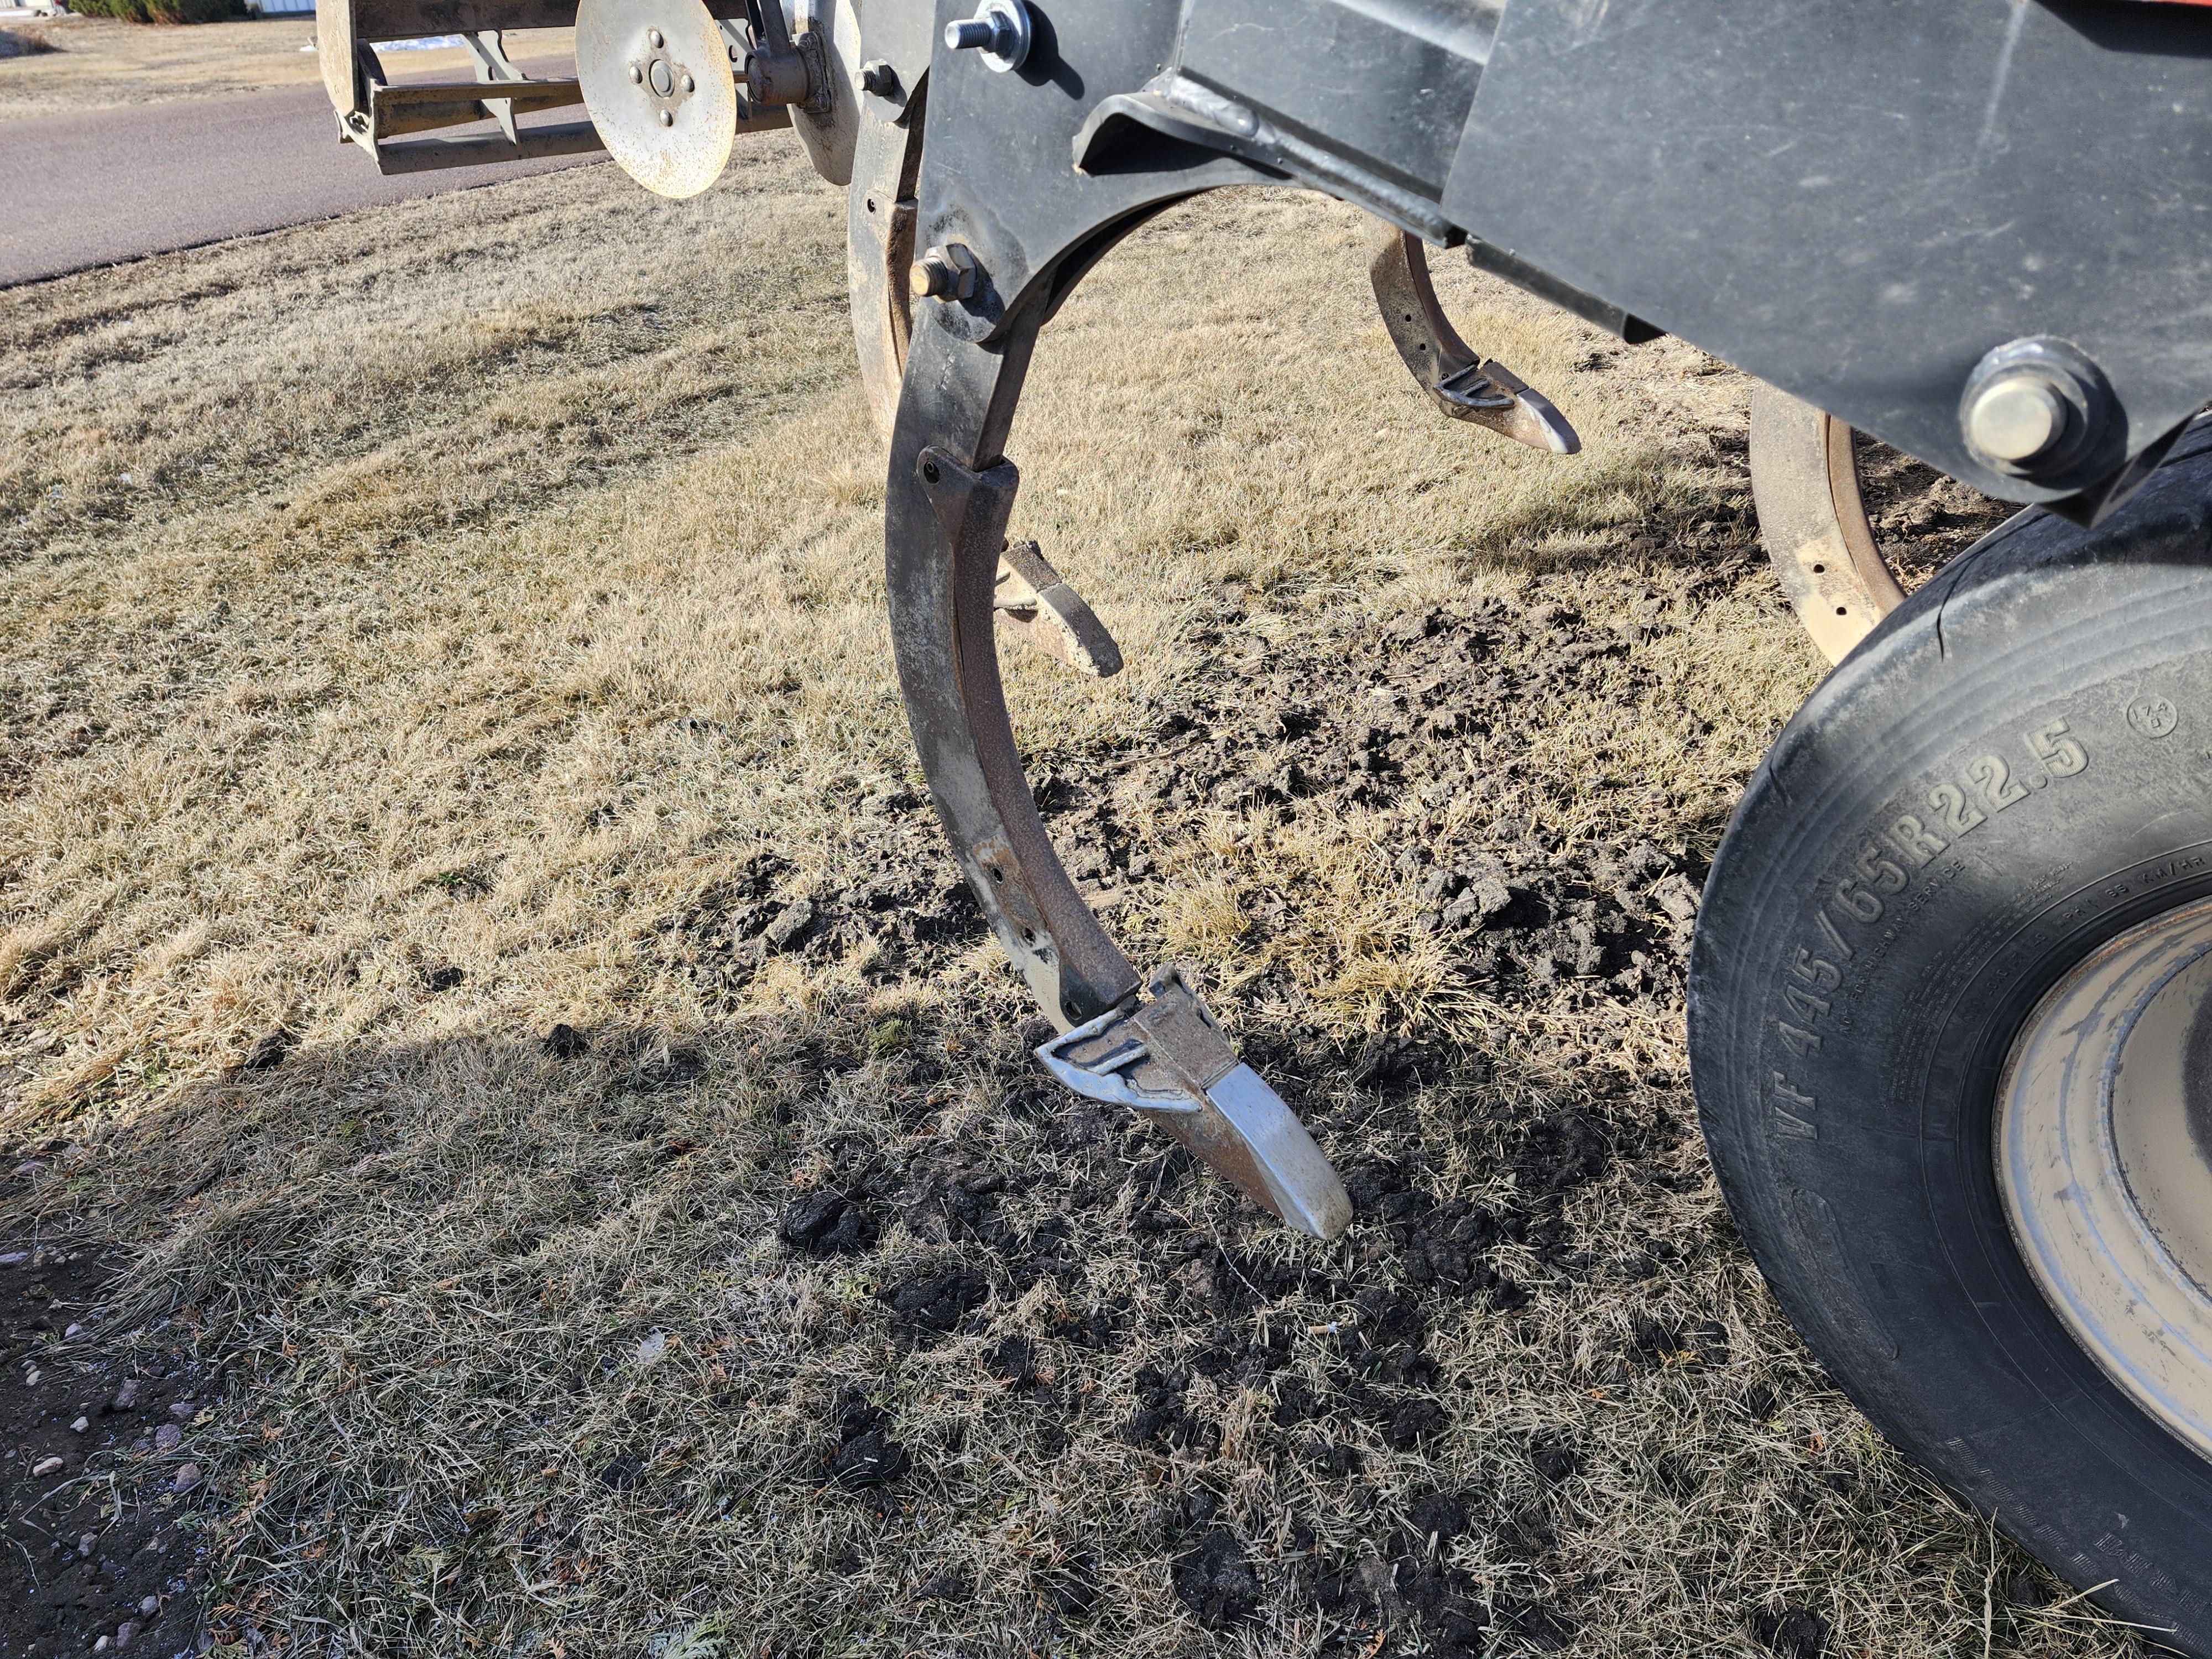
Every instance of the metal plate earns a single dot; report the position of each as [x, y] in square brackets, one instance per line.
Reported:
[1855, 200]
[668, 113]
[829, 136]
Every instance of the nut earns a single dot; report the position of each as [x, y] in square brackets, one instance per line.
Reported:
[947, 272]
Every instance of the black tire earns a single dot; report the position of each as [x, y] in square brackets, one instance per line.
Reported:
[1860, 1169]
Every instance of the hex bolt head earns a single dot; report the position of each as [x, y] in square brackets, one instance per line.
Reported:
[947, 272]
[878, 78]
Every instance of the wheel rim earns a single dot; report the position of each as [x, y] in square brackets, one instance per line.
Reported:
[2104, 1158]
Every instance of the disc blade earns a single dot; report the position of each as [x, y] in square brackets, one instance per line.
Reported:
[657, 82]
[829, 136]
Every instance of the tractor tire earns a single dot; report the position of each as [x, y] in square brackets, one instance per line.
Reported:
[1951, 1033]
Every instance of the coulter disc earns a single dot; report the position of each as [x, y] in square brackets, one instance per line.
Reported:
[656, 79]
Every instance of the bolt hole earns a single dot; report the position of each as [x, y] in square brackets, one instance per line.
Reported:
[871, 204]
[929, 471]
[998, 874]
[1843, 611]
[1818, 569]
[1067, 1007]
[1029, 936]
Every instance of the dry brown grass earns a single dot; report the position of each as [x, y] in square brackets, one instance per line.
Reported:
[496, 585]
[101, 62]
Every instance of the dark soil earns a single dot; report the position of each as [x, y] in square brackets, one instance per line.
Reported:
[90, 1543]
[1921, 518]
[1410, 715]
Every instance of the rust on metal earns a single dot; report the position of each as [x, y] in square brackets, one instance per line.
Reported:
[1037, 607]
[1462, 384]
[1805, 485]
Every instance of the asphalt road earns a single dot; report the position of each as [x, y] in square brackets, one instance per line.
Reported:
[79, 191]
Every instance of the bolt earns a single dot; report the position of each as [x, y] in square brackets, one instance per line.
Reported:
[636, 75]
[946, 272]
[976, 34]
[653, 39]
[1000, 30]
[2016, 416]
[878, 78]
[668, 117]
[690, 85]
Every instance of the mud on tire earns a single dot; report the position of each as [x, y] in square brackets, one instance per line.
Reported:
[2014, 771]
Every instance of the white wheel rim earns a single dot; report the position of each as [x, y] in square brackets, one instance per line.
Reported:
[2103, 1158]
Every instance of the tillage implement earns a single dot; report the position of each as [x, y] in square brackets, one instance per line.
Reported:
[1951, 993]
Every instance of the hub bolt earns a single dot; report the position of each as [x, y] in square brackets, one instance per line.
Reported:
[653, 38]
[2038, 408]
[2016, 416]
[878, 78]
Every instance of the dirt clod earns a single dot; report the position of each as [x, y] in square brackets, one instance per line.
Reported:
[567, 1042]
[1793, 1633]
[1215, 1582]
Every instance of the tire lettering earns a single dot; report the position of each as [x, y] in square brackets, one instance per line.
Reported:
[1806, 1008]
[1878, 871]
[1911, 838]
[1855, 901]
[1997, 786]
[2062, 756]
[1798, 1042]
[1797, 1123]
[1958, 815]
[1819, 974]
[1835, 940]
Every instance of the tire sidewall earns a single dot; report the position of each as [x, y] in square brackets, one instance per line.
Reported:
[1851, 1122]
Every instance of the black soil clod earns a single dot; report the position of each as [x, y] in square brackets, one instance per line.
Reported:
[1440, 1515]
[1554, 1464]
[826, 1224]
[1071, 1589]
[1214, 1581]
[1414, 1422]
[865, 1456]
[937, 1301]
[1541, 1627]
[269, 1049]
[1013, 1361]
[567, 1042]
[625, 1470]
[1794, 1632]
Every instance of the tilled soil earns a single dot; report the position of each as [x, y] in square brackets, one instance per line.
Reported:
[998, 1371]
[98, 1493]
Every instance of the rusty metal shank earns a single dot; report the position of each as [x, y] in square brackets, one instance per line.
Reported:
[950, 494]
[1458, 379]
[949, 498]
